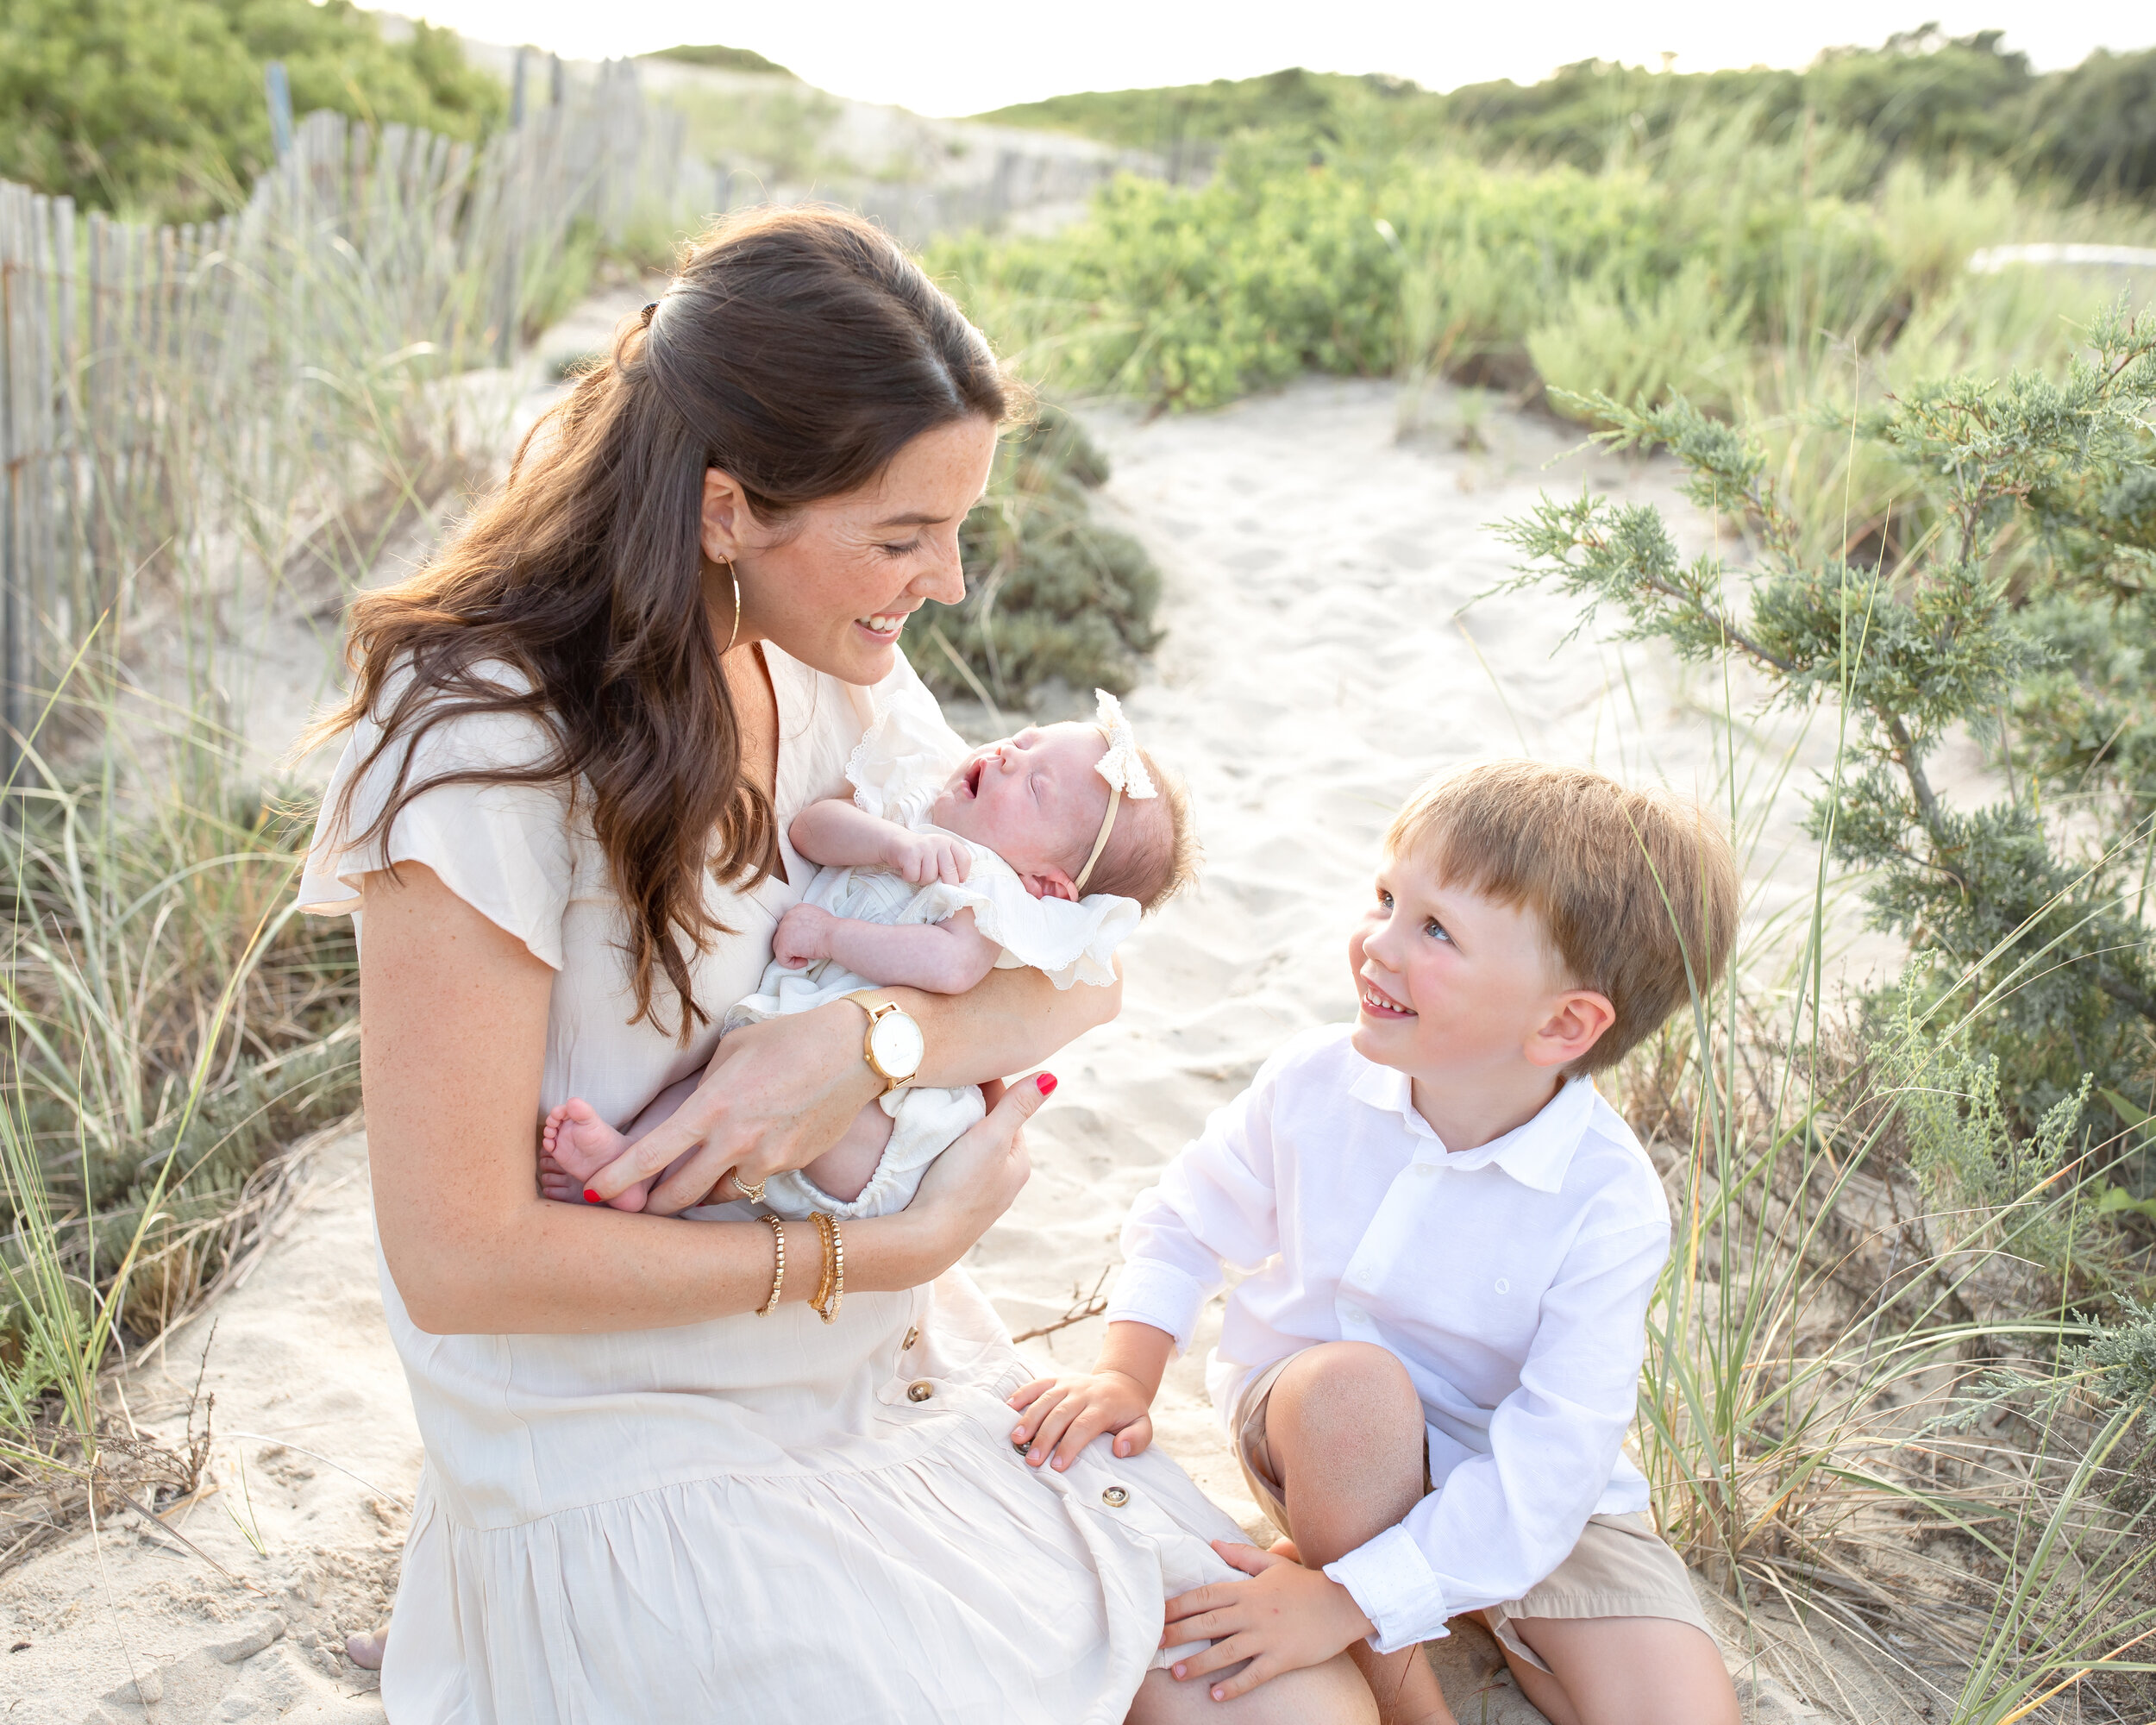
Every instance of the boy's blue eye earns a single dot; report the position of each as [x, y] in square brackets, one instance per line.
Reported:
[1435, 930]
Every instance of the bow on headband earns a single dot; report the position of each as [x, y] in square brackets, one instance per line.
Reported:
[1121, 767]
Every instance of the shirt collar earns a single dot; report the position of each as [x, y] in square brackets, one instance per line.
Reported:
[1536, 1154]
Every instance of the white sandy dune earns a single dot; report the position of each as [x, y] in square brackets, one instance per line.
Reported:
[1315, 669]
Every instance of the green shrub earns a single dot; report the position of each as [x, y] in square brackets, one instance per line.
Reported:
[2025, 915]
[158, 110]
[1051, 594]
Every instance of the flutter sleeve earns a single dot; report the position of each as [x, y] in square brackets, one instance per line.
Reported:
[906, 756]
[1067, 943]
[505, 849]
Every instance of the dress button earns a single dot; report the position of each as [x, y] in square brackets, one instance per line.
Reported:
[912, 1337]
[919, 1391]
[1115, 1497]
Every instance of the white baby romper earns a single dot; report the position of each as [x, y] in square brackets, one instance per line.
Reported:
[901, 765]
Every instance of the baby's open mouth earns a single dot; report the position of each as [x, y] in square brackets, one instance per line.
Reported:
[972, 775]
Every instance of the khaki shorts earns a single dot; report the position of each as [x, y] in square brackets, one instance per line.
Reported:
[1620, 1568]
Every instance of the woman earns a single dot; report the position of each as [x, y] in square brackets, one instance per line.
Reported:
[576, 741]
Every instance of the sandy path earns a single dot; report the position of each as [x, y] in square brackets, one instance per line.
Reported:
[1314, 671]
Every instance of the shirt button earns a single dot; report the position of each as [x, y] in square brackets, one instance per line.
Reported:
[1351, 1314]
[919, 1391]
[1115, 1497]
[912, 1337]
[1503, 1286]
[1425, 1170]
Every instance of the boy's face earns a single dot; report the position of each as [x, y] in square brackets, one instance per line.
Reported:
[1457, 987]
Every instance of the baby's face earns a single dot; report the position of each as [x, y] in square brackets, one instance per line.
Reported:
[1033, 798]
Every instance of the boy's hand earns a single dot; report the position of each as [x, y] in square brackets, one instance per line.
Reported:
[924, 856]
[1063, 1414]
[1283, 1618]
[802, 937]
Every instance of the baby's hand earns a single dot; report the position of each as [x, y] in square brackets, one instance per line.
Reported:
[1066, 1414]
[802, 937]
[926, 856]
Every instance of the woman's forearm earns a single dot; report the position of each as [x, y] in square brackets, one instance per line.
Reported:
[1009, 1022]
[560, 1269]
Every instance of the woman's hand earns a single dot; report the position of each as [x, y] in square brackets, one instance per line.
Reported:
[776, 1096]
[971, 1185]
[1063, 1414]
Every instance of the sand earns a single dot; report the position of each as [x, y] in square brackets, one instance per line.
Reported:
[1317, 665]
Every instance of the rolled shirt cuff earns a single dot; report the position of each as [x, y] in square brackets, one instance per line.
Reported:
[1159, 1294]
[1391, 1580]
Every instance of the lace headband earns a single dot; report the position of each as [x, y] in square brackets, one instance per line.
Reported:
[1123, 770]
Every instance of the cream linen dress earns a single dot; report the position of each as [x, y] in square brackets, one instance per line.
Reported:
[763, 1518]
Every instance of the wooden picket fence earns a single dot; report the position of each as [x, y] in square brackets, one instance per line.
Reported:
[159, 384]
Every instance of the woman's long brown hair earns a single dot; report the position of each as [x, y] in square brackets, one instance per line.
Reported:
[798, 349]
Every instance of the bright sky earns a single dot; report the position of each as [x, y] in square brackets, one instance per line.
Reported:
[964, 56]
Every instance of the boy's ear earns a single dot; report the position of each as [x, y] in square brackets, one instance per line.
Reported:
[1051, 883]
[1576, 1021]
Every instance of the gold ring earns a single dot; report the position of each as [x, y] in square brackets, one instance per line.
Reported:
[753, 1193]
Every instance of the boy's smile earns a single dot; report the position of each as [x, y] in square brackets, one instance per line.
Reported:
[1463, 995]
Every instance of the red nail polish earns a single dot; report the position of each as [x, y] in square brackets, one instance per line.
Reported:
[1046, 1084]
[591, 1197]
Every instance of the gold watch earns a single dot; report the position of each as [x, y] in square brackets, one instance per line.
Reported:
[893, 1046]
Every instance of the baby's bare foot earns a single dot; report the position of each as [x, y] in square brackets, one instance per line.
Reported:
[578, 1142]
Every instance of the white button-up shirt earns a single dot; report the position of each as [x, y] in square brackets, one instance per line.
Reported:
[1511, 1281]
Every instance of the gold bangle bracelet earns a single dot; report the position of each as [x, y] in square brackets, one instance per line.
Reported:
[832, 1289]
[777, 1270]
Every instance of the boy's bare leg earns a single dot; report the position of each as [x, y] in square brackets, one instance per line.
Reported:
[1330, 1694]
[1624, 1670]
[1344, 1426]
[850, 1164]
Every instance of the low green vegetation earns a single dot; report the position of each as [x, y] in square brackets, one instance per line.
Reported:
[1051, 594]
[722, 58]
[156, 109]
[1923, 96]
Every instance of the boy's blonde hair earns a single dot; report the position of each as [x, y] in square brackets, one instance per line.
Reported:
[1636, 891]
[1152, 853]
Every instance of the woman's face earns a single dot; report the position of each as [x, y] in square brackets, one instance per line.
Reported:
[833, 584]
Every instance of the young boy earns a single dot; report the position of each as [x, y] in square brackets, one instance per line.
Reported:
[1429, 1373]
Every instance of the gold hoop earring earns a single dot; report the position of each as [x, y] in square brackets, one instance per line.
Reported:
[733, 634]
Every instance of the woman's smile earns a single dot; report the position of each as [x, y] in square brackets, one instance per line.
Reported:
[884, 628]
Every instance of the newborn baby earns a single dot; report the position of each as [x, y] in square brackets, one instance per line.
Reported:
[944, 865]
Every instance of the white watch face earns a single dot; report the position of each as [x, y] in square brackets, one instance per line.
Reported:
[896, 1045]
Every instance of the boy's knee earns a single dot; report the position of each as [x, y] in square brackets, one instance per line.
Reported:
[1355, 1386]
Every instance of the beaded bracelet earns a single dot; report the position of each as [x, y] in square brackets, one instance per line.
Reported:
[833, 1288]
[777, 1270]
